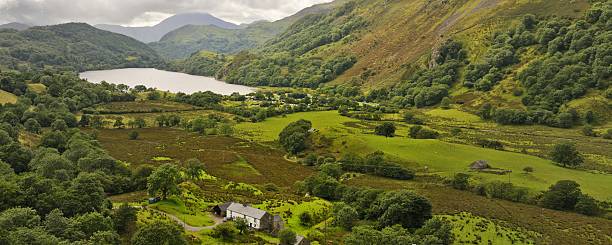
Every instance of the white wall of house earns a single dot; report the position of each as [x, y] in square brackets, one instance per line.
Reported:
[254, 223]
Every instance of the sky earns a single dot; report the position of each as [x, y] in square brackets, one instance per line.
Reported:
[144, 12]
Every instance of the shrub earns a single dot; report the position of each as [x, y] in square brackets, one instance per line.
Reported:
[133, 135]
[226, 231]
[386, 129]
[306, 219]
[528, 169]
[419, 132]
[588, 131]
[287, 237]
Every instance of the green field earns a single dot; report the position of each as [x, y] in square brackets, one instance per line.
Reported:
[440, 157]
[468, 228]
[176, 207]
[6, 97]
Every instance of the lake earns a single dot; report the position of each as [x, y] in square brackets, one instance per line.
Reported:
[164, 81]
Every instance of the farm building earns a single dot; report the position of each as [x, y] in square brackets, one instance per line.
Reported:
[479, 165]
[256, 218]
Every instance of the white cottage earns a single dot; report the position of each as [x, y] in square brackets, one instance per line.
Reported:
[256, 218]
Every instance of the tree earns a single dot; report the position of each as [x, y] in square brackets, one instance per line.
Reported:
[438, 228]
[345, 216]
[93, 222]
[54, 139]
[194, 168]
[587, 205]
[293, 137]
[133, 135]
[32, 126]
[242, 225]
[461, 181]
[332, 169]
[306, 219]
[59, 125]
[445, 103]
[287, 237]
[123, 217]
[14, 218]
[164, 179]
[561, 196]
[401, 207]
[566, 154]
[139, 122]
[159, 232]
[386, 129]
[226, 231]
[87, 195]
[588, 131]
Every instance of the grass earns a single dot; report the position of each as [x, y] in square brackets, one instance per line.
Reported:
[143, 106]
[224, 157]
[440, 157]
[38, 88]
[6, 97]
[454, 114]
[468, 228]
[177, 208]
[556, 227]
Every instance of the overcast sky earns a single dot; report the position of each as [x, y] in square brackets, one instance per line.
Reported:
[144, 12]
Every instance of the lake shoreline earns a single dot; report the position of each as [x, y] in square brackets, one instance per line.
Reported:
[164, 80]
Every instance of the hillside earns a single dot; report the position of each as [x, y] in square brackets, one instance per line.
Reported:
[154, 33]
[74, 46]
[415, 53]
[183, 42]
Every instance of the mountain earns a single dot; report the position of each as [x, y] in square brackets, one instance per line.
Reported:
[533, 60]
[73, 46]
[154, 33]
[190, 39]
[15, 25]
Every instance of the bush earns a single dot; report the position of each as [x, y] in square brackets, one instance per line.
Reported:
[461, 181]
[588, 131]
[528, 169]
[419, 132]
[226, 231]
[287, 237]
[306, 219]
[386, 129]
[133, 135]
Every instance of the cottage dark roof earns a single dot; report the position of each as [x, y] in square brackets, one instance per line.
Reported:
[224, 206]
[246, 210]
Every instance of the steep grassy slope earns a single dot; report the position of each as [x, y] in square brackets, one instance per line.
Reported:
[74, 45]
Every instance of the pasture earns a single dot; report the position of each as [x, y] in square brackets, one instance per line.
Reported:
[443, 158]
[555, 227]
[224, 157]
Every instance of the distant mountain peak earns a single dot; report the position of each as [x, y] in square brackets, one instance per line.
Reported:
[154, 33]
[15, 25]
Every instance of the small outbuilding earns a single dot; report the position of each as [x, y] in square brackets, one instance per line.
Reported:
[480, 165]
[221, 209]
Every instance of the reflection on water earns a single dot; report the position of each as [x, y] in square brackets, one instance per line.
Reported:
[164, 80]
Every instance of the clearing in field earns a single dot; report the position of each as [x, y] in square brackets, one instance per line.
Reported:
[6, 97]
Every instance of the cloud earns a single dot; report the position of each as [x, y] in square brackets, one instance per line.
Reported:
[144, 12]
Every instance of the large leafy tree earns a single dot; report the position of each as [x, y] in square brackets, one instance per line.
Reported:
[386, 129]
[401, 207]
[293, 137]
[164, 180]
[561, 196]
[159, 233]
[566, 154]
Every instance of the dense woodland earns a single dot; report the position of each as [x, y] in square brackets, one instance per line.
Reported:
[73, 46]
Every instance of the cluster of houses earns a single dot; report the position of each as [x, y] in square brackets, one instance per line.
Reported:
[256, 218]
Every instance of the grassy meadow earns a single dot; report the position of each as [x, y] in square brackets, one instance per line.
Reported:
[6, 97]
[439, 157]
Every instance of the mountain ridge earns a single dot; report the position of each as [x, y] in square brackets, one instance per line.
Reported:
[154, 33]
